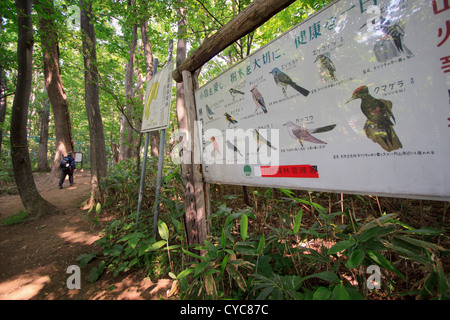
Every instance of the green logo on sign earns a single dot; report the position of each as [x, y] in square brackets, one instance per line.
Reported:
[247, 170]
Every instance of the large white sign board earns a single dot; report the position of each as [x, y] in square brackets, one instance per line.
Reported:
[157, 99]
[363, 105]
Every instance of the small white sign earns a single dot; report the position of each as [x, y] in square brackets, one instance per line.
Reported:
[157, 100]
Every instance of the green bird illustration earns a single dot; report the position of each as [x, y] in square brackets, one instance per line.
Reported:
[230, 119]
[260, 140]
[379, 126]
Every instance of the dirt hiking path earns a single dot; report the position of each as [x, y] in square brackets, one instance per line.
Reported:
[35, 254]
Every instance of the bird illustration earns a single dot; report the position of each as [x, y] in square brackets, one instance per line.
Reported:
[258, 98]
[327, 65]
[396, 32]
[230, 119]
[233, 147]
[379, 126]
[216, 145]
[283, 80]
[261, 140]
[209, 112]
[303, 134]
[235, 92]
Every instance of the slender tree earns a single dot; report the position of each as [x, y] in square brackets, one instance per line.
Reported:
[97, 139]
[31, 199]
[53, 82]
[126, 132]
[44, 117]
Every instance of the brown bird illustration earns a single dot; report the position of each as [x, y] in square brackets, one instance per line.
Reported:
[379, 126]
[303, 134]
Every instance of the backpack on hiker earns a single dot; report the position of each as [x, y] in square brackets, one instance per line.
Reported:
[65, 163]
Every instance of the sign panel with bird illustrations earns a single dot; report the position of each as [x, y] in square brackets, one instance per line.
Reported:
[158, 95]
[354, 99]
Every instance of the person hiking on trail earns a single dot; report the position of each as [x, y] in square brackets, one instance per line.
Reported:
[67, 167]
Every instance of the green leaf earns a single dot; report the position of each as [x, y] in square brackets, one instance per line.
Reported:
[96, 272]
[424, 231]
[261, 245]
[341, 246]
[326, 275]
[163, 230]
[355, 259]
[223, 239]
[200, 267]
[244, 226]
[421, 243]
[340, 293]
[298, 221]
[193, 254]
[85, 258]
[379, 221]
[321, 293]
[383, 262]
[224, 263]
[98, 207]
[369, 234]
[265, 293]
[155, 246]
[184, 273]
[115, 251]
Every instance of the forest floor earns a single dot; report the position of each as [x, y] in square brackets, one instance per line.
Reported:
[35, 254]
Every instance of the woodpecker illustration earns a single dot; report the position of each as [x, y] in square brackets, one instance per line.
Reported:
[379, 126]
[261, 140]
[235, 92]
[230, 119]
[233, 147]
[303, 134]
[396, 32]
[209, 112]
[283, 80]
[327, 65]
[215, 145]
[258, 99]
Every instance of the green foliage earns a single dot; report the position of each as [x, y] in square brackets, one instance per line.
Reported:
[278, 265]
[15, 218]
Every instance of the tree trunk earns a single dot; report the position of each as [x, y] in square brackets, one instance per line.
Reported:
[3, 87]
[97, 139]
[44, 115]
[154, 135]
[53, 82]
[126, 132]
[31, 199]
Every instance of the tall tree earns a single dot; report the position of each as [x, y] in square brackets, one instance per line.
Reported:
[31, 199]
[53, 82]
[154, 135]
[44, 117]
[126, 132]
[97, 139]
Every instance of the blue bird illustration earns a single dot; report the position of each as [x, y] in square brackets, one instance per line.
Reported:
[209, 112]
[283, 80]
